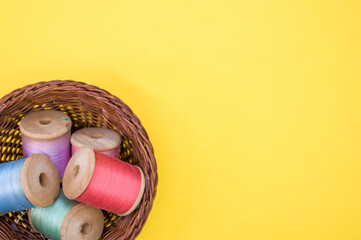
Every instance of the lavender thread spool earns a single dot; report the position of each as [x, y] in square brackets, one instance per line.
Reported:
[47, 132]
[102, 140]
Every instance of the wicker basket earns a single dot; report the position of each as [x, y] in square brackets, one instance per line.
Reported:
[87, 106]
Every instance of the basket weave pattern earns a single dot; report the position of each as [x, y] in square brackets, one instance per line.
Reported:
[88, 106]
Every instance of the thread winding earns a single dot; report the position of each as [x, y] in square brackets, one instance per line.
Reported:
[49, 220]
[57, 150]
[12, 196]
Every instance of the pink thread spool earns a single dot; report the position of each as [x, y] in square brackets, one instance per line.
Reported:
[102, 140]
[103, 182]
[47, 132]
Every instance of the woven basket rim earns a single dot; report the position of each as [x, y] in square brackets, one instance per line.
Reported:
[87, 100]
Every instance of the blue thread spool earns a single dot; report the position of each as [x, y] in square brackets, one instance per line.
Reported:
[28, 182]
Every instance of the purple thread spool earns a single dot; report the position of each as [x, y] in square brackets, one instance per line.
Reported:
[102, 140]
[47, 132]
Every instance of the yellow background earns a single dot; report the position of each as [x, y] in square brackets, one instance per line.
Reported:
[253, 107]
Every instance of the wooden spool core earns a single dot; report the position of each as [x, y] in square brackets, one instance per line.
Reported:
[99, 139]
[82, 222]
[40, 180]
[46, 124]
[80, 171]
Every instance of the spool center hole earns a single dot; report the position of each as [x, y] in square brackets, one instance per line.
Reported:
[96, 135]
[43, 180]
[76, 171]
[85, 228]
[45, 121]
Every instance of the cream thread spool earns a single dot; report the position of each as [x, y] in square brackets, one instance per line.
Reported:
[81, 222]
[102, 140]
[47, 132]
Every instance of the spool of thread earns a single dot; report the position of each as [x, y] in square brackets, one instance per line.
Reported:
[47, 132]
[102, 140]
[28, 182]
[103, 182]
[68, 220]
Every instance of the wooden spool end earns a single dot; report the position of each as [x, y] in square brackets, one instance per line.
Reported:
[29, 218]
[78, 173]
[99, 139]
[83, 222]
[46, 124]
[40, 180]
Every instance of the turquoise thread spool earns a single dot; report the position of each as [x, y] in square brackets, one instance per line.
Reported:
[68, 220]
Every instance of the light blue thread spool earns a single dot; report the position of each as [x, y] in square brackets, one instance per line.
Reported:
[12, 196]
[26, 183]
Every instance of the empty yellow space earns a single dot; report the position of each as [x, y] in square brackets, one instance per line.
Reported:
[253, 107]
